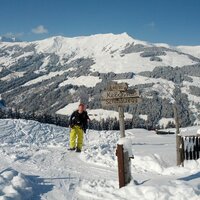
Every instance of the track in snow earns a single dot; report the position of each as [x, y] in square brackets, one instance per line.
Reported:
[54, 171]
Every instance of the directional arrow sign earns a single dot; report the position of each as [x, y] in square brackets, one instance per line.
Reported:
[120, 101]
[114, 86]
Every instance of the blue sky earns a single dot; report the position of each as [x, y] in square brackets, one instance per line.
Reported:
[171, 21]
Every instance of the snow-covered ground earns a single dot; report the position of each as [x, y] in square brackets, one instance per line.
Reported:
[35, 164]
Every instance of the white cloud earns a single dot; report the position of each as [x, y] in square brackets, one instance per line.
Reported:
[16, 35]
[151, 24]
[39, 30]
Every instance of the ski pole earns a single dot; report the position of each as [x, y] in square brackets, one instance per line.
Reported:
[87, 133]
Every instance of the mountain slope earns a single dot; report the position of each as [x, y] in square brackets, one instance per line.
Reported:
[193, 50]
[44, 76]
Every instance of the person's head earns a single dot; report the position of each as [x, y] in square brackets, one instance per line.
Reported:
[81, 108]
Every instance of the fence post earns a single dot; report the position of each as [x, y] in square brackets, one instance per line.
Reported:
[182, 151]
[124, 166]
[178, 137]
[179, 150]
[120, 158]
[127, 168]
[198, 146]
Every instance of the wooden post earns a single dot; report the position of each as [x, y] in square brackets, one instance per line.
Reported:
[127, 168]
[120, 158]
[182, 151]
[178, 137]
[124, 166]
[121, 121]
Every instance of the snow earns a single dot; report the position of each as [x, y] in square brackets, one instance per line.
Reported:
[104, 49]
[26, 54]
[127, 145]
[96, 114]
[101, 46]
[44, 77]
[44, 64]
[163, 45]
[193, 99]
[68, 109]
[83, 45]
[19, 132]
[99, 114]
[72, 91]
[144, 117]
[193, 50]
[162, 86]
[12, 75]
[8, 59]
[133, 62]
[164, 121]
[174, 190]
[14, 185]
[36, 165]
[88, 81]
[195, 81]
[137, 79]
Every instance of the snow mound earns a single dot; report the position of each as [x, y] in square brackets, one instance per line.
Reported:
[173, 190]
[27, 132]
[14, 185]
[149, 163]
[99, 150]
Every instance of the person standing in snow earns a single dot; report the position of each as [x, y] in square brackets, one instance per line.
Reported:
[78, 124]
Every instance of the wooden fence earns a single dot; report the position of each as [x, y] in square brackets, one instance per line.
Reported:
[191, 150]
[161, 132]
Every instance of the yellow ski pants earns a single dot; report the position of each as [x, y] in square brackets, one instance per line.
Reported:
[76, 134]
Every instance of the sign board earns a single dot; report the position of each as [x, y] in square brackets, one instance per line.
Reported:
[119, 94]
[120, 101]
[114, 86]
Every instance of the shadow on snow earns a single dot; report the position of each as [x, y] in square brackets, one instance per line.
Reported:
[43, 185]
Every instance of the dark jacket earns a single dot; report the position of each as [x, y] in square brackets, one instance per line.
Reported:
[79, 119]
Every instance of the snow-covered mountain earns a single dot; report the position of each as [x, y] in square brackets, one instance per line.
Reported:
[193, 50]
[9, 39]
[110, 53]
[47, 75]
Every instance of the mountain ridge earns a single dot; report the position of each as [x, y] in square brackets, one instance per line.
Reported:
[40, 76]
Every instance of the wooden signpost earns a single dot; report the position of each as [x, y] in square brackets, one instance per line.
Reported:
[118, 95]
